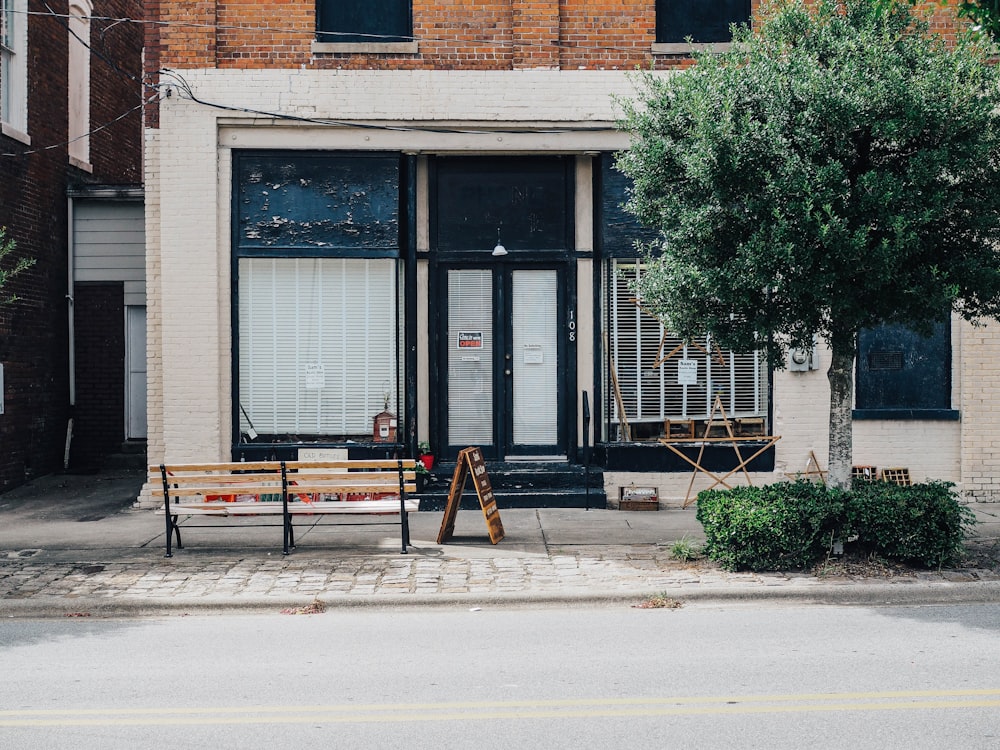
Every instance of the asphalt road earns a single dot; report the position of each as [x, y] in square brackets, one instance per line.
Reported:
[702, 676]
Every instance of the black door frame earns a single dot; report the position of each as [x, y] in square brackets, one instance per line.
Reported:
[503, 396]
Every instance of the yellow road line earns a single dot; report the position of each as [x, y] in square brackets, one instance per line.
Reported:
[511, 710]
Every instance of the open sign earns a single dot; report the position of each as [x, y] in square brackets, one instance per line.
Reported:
[470, 339]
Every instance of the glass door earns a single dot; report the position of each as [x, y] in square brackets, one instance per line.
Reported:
[504, 359]
[533, 359]
[470, 358]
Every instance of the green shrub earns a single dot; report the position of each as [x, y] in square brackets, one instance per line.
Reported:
[920, 525]
[776, 527]
[787, 525]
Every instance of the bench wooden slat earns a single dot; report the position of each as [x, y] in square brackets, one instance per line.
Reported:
[188, 488]
[387, 464]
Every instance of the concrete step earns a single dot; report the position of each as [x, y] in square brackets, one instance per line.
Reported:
[130, 457]
[434, 500]
[522, 484]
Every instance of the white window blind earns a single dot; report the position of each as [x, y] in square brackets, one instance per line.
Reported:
[470, 357]
[652, 394]
[535, 357]
[319, 344]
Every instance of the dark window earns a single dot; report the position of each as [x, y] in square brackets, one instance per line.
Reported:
[619, 230]
[705, 21]
[525, 202]
[317, 204]
[356, 21]
[898, 369]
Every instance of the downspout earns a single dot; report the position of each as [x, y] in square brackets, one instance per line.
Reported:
[71, 331]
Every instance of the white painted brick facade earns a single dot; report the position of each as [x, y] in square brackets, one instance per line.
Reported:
[188, 197]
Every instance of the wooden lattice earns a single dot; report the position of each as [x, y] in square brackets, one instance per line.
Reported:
[864, 472]
[897, 476]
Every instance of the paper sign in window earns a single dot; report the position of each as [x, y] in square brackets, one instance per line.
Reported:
[533, 354]
[315, 377]
[687, 372]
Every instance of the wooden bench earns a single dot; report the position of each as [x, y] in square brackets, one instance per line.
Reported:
[286, 489]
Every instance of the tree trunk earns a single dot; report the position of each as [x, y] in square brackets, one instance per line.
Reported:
[841, 377]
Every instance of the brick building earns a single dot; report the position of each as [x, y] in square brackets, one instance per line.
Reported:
[359, 206]
[70, 186]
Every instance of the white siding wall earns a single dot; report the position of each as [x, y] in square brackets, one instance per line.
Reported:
[109, 244]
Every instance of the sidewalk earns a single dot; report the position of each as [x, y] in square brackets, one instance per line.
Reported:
[71, 545]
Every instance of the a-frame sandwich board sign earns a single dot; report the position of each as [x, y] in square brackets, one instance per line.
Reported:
[470, 461]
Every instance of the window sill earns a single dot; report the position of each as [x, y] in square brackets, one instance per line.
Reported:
[365, 48]
[685, 48]
[18, 135]
[86, 166]
[935, 415]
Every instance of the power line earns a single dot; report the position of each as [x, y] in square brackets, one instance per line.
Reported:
[98, 129]
[187, 92]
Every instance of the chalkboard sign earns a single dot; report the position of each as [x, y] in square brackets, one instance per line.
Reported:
[470, 460]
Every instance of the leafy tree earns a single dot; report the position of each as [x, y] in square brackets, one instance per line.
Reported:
[837, 168]
[6, 274]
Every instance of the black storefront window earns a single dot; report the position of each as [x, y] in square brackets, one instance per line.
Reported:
[318, 313]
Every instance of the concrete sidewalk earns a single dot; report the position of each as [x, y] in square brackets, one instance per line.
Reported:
[72, 545]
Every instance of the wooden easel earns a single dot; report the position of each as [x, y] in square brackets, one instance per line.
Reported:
[661, 357]
[622, 416]
[730, 438]
[812, 470]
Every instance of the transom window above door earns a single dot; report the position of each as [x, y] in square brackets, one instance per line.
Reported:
[523, 203]
[363, 21]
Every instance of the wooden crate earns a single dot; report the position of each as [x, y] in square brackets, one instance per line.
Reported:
[678, 429]
[638, 498]
[898, 476]
[869, 473]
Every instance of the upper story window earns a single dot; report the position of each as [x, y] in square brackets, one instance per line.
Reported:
[705, 22]
[14, 68]
[364, 25]
[79, 83]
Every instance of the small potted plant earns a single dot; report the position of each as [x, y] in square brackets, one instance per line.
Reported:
[422, 475]
[425, 455]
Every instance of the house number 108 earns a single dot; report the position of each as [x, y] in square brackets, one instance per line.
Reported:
[572, 326]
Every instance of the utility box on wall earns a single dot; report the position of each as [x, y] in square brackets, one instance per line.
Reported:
[802, 360]
[384, 430]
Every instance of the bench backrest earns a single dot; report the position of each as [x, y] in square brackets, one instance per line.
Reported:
[267, 478]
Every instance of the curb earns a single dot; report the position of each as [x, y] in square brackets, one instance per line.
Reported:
[848, 593]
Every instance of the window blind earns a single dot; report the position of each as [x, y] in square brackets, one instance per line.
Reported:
[652, 394]
[319, 344]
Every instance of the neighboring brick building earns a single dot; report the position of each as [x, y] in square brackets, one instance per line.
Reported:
[70, 107]
[358, 203]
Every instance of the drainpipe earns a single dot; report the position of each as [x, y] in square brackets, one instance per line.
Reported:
[71, 331]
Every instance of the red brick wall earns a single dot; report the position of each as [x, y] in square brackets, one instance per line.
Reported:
[452, 34]
[34, 179]
[116, 87]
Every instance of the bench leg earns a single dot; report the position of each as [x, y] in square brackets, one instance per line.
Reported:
[173, 529]
[289, 540]
[404, 523]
